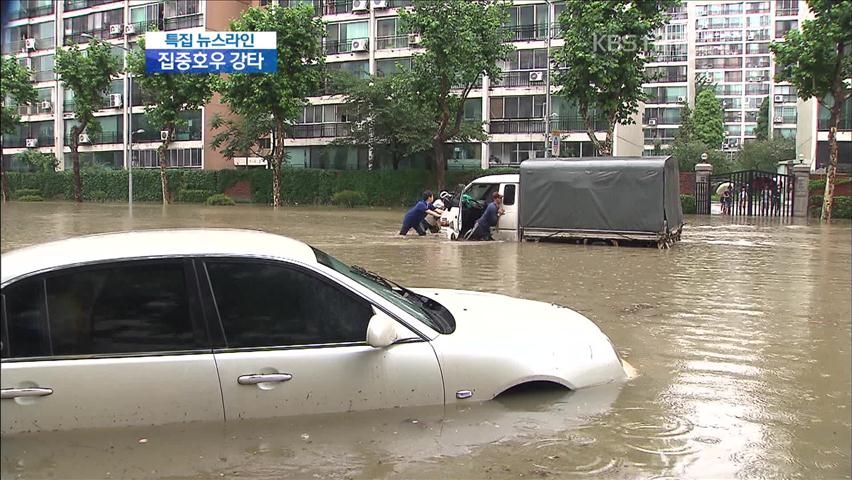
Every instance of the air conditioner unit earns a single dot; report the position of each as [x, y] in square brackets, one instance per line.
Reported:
[379, 4]
[115, 100]
[359, 6]
[115, 29]
[414, 39]
[652, 122]
[779, 119]
[536, 76]
[84, 138]
[46, 105]
[779, 98]
[30, 44]
[130, 29]
[751, 35]
[359, 45]
[681, 99]
[32, 142]
[164, 135]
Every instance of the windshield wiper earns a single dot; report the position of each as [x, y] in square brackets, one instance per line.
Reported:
[375, 277]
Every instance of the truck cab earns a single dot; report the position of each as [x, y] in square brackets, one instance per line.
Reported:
[472, 201]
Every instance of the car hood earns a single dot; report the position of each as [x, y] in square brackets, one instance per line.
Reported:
[499, 317]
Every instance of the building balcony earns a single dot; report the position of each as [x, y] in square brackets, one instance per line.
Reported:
[392, 42]
[78, 38]
[787, 12]
[30, 12]
[572, 124]
[334, 47]
[80, 4]
[102, 138]
[153, 136]
[184, 21]
[320, 130]
[522, 78]
[20, 142]
[528, 33]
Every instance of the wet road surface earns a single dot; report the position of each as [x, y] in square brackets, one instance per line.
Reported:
[740, 334]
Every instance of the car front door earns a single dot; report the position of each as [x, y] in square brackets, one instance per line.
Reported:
[295, 343]
[106, 345]
[508, 222]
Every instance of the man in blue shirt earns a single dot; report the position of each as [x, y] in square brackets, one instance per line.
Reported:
[418, 213]
[489, 218]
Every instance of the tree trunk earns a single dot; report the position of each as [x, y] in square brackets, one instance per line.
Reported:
[277, 160]
[831, 170]
[164, 179]
[75, 162]
[440, 164]
[5, 185]
[396, 161]
[590, 131]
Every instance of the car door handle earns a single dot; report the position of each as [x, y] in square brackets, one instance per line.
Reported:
[256, 378]
[9, 393]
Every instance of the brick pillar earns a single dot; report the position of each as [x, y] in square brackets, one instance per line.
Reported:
[702, 188]
[802, 176]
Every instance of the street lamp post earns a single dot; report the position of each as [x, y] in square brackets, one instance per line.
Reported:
[547, 141]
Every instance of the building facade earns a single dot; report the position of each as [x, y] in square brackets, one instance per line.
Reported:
[726, 42]
[33, 31]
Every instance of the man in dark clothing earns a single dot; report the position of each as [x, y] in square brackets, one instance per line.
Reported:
[482, 229]
[418, 213]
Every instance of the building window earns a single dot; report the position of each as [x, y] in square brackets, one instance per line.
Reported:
[786, 7]
[339, 36]
[389, 66]
[95, 24]
[528, 22]
[389, 34]
[183, 157]
[784, 26]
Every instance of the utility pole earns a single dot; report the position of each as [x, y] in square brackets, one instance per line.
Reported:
[547, 85]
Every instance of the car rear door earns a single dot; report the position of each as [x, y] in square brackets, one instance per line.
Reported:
[295, 343]
[106, 345]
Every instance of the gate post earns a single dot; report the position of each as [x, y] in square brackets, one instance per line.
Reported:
[802, 175]
[702, 188]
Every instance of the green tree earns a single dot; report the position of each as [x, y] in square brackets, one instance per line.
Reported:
[277, 98]
[704, 82]
[602, 64]
[765, 154]
[818, 60]
[462, 40]
[708, 119]
[686, 132]
[387, 113]
[243, 135]
[169, 94]
[38, 161]
[15, 89]
[688, 153]
[762, 129]
[88, 74]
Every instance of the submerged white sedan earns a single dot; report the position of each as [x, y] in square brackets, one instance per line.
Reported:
[155, 327]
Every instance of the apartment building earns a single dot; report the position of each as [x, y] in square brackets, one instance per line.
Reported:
[366, 38]
[724, 41]
[727, 43]
[33, 31]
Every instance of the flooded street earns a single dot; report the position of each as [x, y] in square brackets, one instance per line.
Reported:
[740, 334]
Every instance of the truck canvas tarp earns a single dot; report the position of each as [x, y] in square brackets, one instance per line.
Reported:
[632, 198]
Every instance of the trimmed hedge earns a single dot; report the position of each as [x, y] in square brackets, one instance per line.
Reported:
[30, 198]
[220, 199]
[26, 192]
[688, 204]
[348, 198]
[388, 188]
[842, 207]
[192, 195]
[820, 184]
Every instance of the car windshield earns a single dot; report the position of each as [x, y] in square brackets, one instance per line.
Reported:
[422, 308]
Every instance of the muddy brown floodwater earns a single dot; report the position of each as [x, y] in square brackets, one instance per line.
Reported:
[740, 334]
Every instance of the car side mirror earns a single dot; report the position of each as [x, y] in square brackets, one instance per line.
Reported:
[384, 331]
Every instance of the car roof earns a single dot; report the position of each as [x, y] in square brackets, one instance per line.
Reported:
[150, 244]
[504, 178]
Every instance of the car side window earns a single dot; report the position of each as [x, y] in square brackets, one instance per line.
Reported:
[25, 329]
[262, 304]
[133, 307]
[509, 194]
